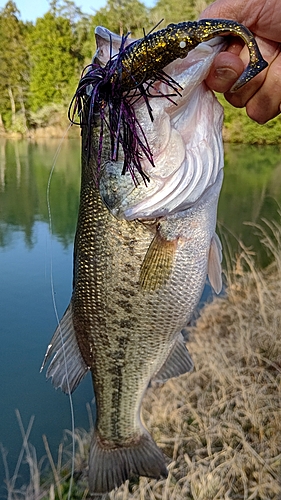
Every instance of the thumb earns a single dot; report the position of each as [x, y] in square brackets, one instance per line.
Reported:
[226, 69]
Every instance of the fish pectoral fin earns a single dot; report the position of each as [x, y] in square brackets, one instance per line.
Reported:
[67, 367]
[214, 264]
[177, 363]
[158, 262]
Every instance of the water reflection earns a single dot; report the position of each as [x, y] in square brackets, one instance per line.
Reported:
[24, 171]
[251, 192]
[29, 256]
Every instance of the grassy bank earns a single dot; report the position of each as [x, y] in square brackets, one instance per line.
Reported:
[221, 425]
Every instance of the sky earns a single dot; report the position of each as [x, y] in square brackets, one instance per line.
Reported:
[31, 9]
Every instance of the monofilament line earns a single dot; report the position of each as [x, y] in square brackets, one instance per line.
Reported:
[56, 311]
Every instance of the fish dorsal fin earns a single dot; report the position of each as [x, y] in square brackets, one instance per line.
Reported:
[158, 262]
[67, 367]
[214, 264]
[177, 363]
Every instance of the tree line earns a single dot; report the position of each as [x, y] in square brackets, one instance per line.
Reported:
[41, 62]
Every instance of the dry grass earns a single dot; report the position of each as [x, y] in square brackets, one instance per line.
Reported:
[221, 425]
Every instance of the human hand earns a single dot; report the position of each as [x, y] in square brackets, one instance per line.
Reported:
[262, 95]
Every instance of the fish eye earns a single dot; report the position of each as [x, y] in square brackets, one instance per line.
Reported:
[182, 44]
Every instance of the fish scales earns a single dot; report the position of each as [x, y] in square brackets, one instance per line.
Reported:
[142, 249]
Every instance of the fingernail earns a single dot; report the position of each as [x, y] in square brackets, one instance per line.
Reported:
[226, 74]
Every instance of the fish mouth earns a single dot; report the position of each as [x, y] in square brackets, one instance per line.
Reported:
[124, 71]
[185, 140]
[139, 87]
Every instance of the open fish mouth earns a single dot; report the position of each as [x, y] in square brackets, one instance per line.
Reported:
[124, 71]
[187, 153]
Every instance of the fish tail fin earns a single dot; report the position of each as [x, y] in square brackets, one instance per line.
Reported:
[111, 465]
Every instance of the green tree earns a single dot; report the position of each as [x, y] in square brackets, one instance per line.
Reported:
[173, 11]
[14, 68]
[123, 16]
[81, 28]
[56, 61]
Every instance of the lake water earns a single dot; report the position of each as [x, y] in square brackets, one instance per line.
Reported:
[30, 255]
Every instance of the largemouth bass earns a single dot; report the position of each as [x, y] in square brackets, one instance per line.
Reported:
[152, 170]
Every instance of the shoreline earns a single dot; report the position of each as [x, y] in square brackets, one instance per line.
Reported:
[73, 131]
[52, 132]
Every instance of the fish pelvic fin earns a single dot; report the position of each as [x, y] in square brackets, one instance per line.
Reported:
[157, 264]
[214, 264]
[67, 367]
[111, 464]
[177, 363]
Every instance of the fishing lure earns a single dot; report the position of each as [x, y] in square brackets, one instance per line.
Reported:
[110, 92]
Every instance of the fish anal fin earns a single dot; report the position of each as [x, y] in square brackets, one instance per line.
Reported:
[158, 262]
[177, 363]
[67, 366]
[110, 465]
[214, 264]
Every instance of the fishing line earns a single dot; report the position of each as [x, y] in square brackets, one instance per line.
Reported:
[56, 310]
